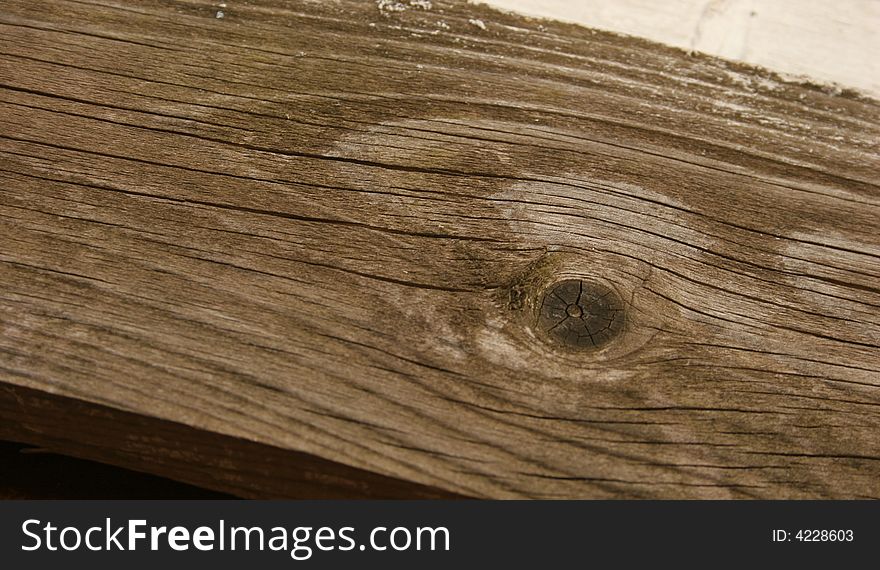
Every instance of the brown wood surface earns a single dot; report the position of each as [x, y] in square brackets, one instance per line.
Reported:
[324, 229]
[171, 449]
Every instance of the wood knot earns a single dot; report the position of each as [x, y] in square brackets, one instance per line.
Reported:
[580, 314]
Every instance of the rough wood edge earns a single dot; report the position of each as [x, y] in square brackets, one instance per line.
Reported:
[213, 461]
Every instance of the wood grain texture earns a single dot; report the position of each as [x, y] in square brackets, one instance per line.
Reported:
[140, 442]
[324, 227]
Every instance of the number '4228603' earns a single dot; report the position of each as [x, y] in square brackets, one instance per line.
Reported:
[816, 535]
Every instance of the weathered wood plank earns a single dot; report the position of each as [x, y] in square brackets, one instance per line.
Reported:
[327, 228]
[237, 466]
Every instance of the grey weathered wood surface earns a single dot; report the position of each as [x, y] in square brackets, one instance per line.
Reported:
[322, 227]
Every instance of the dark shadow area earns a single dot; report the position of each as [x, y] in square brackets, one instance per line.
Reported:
[31, 473]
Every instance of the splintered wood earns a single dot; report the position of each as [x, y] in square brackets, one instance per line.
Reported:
[306, 249]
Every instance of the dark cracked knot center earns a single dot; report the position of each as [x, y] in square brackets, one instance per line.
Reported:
[581, 314]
